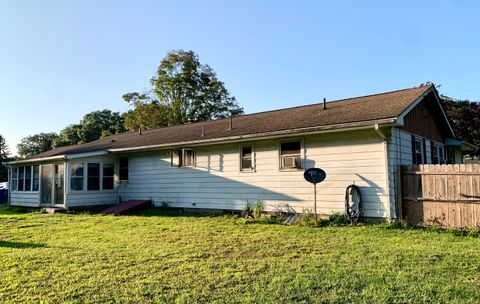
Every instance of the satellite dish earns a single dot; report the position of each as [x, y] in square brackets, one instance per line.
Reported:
[314, 175]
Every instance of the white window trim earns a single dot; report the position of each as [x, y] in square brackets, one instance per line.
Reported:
[254, 167]
[17, 169]
[302, 154]
[85, 177]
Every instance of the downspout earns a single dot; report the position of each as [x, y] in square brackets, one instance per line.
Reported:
[392, 213]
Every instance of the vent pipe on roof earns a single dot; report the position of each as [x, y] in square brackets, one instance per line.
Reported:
[230, 124]
[324, 104]
[140, 131]
[203, 130]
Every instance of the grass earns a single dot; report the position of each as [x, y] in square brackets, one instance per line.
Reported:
[164, 257]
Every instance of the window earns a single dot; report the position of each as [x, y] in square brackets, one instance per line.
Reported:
[123, 169]
[36, 178]
[246, 158]
[76, 179]
[182, 158]
[25, 178]
[93, 176]
[434, 152]
[440, 155]
[417, 151]
[21, 176]
[450, 155]
[290, 155]
[108, 174]
[28, 178]
[14, 179]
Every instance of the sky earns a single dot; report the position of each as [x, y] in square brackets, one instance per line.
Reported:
[62, 59]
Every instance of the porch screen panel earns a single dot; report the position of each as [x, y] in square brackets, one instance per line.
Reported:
[93, 177]
[28, 178]
[76, 177]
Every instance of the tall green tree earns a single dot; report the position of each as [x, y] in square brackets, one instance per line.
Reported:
[4, 152]
[464, 116]
[93, 126]
[99, 124]
[68, 136]
[35, 144]
[183, 90]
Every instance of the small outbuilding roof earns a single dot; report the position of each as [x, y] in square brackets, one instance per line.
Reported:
[340, 114]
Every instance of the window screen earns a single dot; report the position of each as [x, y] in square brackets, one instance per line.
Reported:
[93, 177]
[76, 177]
[123, 168]
[246, 158]
[108, 174]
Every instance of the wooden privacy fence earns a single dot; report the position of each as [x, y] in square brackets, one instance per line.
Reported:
[447, 195]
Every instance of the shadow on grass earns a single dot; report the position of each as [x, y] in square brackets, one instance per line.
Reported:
[8, 244]
[7, 210]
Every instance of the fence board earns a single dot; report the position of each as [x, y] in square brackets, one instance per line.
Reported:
[448, 195]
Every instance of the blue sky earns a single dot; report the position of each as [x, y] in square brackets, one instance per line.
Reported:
[62, 59]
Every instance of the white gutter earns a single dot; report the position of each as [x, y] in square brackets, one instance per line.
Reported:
[87, 154]
[31, 160]
[266, 135]
[57, 157]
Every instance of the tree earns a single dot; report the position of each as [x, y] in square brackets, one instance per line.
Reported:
[183, 90]
[93, 126]
[464, 116]
[99, 124]
[147, 112]
[4, 151]
[35, 144]
[68, 136]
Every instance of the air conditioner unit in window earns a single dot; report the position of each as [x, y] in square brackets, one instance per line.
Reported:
[290, 162]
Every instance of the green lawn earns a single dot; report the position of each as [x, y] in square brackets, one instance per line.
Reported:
[163, 257]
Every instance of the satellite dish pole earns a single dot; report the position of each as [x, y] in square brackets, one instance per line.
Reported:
[314, 195]
[314, 176]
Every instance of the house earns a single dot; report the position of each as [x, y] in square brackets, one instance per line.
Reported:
[227, 163]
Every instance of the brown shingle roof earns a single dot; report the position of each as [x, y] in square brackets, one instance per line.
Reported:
[352, 110]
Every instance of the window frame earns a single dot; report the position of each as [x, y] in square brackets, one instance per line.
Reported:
[36, 178]
[99, 176]
[421, 152]
[301, 155]
[14, 179]
[434, 153]
[103, 176]
[27, 187]
[77, 176]
[124, 168]
[181, 151]
[252, 157]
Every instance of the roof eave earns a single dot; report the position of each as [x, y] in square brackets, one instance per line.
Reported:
[266, 135]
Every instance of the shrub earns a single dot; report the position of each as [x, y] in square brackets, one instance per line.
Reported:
[257, 209]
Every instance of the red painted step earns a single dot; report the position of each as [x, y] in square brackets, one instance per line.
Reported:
[127, 206]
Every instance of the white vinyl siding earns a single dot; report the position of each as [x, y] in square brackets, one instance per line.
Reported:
[216, 183]
[25, 199]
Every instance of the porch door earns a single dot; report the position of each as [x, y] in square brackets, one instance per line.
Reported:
[46, 185]
[59, 185]
[52, 185]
